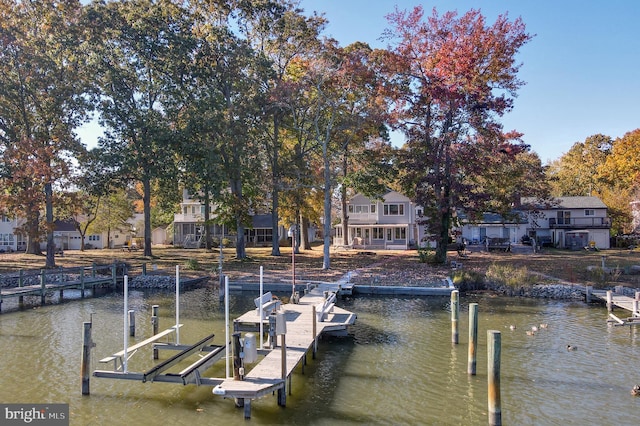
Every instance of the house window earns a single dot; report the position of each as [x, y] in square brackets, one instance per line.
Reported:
[184, 209]
[6, 239]
[94, 237]
[419, 212]
[5, 218]
[202, 212]
[378, 233]
[359, 232]
[564, 217]
[394, 209]
[359, 209]
[589, 212]
[373, 208]
[400, 233]
[389, 235]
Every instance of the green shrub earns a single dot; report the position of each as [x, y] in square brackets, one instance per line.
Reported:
[508, 275]
[426, 255]
[193, 264]
[466, 280]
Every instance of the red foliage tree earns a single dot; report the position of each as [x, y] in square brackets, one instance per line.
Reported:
[448, 80]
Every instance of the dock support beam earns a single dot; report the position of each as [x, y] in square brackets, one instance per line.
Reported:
[493, 377]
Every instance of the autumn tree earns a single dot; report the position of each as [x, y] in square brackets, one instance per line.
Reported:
[140, 48]
[278, 32]
[449, 80]
[224, 116]
[43, 87]
[620, 175]
[575, 173]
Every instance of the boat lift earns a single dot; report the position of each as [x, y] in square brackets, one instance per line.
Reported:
[209, 354]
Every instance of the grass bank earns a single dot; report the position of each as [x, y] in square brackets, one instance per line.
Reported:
[379, 267]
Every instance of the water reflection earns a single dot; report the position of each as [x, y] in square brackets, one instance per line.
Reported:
[398, 366]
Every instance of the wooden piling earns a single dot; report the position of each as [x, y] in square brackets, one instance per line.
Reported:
[86, 358]
[493, 377]
[455, 312]
[113, 274]
[154, 327]
[82, 283]
[237, 360]
[132, 323]
[473, 337]
[20, 282]
[587, 293]
[144, 268]
[609, 301]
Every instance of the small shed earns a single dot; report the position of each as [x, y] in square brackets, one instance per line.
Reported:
[576, 240]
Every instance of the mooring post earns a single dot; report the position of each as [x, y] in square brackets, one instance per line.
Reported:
[113, 274]
[587, 293]
[282, 392]
[86, 358]
[132, 322]
[455, 312]
[493, 377]
[93, 269]
[609, 301]
[154, 327]
[42, 286]
[473, 337]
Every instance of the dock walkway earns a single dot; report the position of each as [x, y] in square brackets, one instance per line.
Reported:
[48, 285]
[306, 321]
[627, 303]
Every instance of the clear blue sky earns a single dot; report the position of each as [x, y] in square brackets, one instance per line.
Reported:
[582, 68]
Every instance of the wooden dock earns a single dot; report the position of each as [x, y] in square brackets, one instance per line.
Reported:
[615, 299]
[314, 314]
[88, 280]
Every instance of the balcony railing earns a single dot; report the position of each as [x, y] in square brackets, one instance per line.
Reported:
[580, 222]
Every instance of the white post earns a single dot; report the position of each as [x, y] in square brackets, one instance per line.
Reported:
[126, 323]
[226, 325]
[177, 304]
[260, 308]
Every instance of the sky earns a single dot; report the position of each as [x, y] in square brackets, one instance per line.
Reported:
[581, 69]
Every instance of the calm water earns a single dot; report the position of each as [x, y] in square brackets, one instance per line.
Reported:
[398, 367]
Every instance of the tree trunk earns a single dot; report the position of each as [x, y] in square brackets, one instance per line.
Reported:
[207, 219]
[345, 216]
[304, 234]
[275, 182]
[51, 245]
[146, 200]
[326, 259]
[33, 232]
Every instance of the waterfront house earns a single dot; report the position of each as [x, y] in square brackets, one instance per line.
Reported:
[389, 223]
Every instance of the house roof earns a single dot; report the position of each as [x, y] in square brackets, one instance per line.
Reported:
[388, 197]
[261, 221]
[567, 203]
